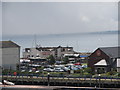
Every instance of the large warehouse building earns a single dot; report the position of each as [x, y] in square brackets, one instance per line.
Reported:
[10, 54]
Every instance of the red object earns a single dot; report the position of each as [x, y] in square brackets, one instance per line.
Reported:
[77, 63]
[15, 73]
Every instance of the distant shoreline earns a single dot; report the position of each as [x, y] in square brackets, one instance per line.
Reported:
[66, 34]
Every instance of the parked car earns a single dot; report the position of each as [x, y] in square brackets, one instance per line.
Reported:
[84, 66]
[48, 66]
[22, 70]
[48, 69]
[66, 69]
[58, 70]
[30, 70]
[37, 71]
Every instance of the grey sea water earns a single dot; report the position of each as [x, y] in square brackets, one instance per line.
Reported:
[80, 42]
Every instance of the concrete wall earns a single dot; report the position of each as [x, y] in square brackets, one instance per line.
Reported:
[10, 57]
[33, 52]
[59, 53]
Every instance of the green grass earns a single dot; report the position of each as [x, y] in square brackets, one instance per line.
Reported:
[84, 63]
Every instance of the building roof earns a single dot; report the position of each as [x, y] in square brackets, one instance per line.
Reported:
[76, 55]
[83, 56]
[112, 52]
[8, 44]
[101, 63]
[51, 48]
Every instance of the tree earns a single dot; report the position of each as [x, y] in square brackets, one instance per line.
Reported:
[51, 60]
[65, 60]
[17, 66]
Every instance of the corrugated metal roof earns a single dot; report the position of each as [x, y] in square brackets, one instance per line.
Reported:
[8, 44]
[113, 52]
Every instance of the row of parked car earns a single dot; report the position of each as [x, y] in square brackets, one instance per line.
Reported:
[62, 68]
[54, 69]
[57, 68]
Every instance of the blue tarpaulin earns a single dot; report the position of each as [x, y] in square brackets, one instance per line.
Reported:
[83, 55]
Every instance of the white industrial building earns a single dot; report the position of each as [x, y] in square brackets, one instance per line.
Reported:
[10, 54]
[44, 52]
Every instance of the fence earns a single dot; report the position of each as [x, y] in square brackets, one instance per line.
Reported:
[64, 80]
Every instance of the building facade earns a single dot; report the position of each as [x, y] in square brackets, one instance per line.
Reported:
[104, 59]
[44, 52]
[10, 54]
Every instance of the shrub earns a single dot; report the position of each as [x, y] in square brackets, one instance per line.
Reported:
[88, 69]
[75, 75]
[78, 71]
[119, 74]
[87, 74]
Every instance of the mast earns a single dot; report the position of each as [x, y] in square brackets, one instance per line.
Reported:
[34, 43]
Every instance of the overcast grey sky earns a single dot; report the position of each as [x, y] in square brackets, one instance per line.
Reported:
[30, 18]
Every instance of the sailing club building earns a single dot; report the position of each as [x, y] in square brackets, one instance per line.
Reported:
[105, 59]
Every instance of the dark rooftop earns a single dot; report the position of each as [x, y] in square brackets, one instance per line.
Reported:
[52, 48]
[8, 44]
[112, 52]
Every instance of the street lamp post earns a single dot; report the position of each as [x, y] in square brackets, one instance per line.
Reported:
[82, 72]
[99, 80]
[95, 71]
[48, 77]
